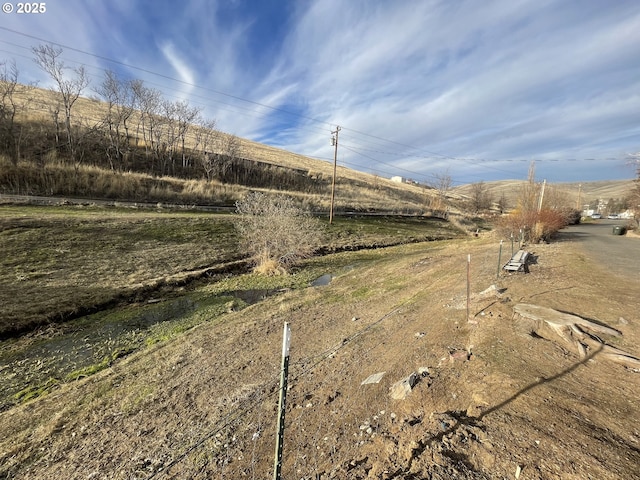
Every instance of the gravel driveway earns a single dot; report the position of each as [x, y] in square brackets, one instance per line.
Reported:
[620, 252]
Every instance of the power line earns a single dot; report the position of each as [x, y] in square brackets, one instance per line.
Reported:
[413, 152]
[161, 75]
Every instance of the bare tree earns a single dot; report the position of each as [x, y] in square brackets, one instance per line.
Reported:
[502, 203]
[148, 103]
[167, 136]
[480, 199]
[531, 219]
[442, 184]
[8, 110]
[69, 88]
[217, 164]
[528, 197]
[230, 151]
[185, 116]
[205, 138]
[119, 97]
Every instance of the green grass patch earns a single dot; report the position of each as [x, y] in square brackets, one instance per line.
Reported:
[33, 392]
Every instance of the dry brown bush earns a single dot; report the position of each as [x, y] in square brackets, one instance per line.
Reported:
[536, 226]
[276, 232]
[536, 218]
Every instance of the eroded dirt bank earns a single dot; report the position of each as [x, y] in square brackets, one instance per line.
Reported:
[494, 397]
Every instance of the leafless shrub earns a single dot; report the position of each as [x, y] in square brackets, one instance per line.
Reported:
[480, 199]
[533, 219]
[276, 232]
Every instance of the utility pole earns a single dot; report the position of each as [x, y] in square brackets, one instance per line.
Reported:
[579, 201]
[468, 287]
[544, 183]
[334, 141]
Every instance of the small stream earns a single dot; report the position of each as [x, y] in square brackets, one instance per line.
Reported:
[37, 362]
[61, 352]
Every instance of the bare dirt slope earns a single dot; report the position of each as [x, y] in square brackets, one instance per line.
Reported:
[495, 398]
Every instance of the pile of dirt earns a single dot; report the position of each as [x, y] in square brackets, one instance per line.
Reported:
[494, 397]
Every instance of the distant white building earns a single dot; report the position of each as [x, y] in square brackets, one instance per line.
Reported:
[397, 179]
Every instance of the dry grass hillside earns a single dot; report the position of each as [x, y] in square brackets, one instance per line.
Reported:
[354, 189]
[91, 110]
[573, 193]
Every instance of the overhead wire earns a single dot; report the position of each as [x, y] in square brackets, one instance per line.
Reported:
[372, 140]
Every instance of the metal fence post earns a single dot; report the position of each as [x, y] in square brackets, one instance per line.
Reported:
[499, 260]
[286, 340]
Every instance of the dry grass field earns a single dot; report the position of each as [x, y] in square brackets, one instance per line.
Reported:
[498, 397]
[81, 286]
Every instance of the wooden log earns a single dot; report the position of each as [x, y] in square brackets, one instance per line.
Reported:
[574, 330]
[556, 318]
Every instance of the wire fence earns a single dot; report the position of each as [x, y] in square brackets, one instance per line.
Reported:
[241, 443]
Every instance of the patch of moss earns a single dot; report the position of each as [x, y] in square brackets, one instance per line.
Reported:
[36, 391]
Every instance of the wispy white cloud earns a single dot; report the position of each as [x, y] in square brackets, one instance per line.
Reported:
[497, 80]
[179, 65]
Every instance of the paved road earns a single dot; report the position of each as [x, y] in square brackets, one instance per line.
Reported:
[620, 252]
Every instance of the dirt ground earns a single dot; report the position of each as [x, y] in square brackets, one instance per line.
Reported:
[498, 397]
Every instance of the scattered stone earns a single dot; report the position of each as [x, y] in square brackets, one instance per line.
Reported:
[492, 290]
[623, 321]
[375, 378]
[354, 319]
[518, 471]
[459, 356]
[419, 334]
[400, 390]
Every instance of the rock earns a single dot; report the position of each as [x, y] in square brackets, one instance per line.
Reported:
[375, 378]
[400, 390]
[492, 290]
[459, 356]
[575, 330]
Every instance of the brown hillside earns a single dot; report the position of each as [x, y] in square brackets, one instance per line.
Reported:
[575, 193]
[375, 191]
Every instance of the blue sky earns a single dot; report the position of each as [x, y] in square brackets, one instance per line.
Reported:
[474, 89]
